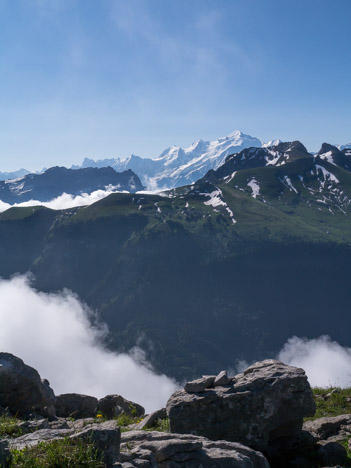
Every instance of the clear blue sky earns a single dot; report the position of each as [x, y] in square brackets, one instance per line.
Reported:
[105, 78]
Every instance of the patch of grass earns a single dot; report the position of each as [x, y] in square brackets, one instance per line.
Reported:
[162, 425]
[63, 453]
[338, 402]
[124, 420]
[9, 426]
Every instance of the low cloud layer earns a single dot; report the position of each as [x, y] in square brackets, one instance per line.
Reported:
[325, 361]
[64, 201]
[53, 333]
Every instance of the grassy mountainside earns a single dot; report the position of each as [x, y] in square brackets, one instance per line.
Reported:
[206, 274]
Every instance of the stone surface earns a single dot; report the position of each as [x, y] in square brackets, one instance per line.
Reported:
[21, 389]
[33, 425]
[164, 450]
[266, 402]
[221, 379]
[331, 453]
[76, 406]
[330, 428]
[34, 438]
[199, 385]
[152, 419]
[105, 437]
[112, 406]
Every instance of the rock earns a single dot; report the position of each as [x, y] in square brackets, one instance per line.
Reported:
[331, 453]
[5, 454]
[199, 385]
[21, 389]
[152, 419]
[76, 406]
[79, 424]
[34, 438]
[221, 379]
[185, 451]
[59, 423]
[105, 437]
[33, 425]
[330, 428]
[268, 401]
[112, 406]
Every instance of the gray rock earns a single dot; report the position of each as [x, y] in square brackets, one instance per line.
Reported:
[199, 385]
[21, 389]
[106, 439]
[331, 453]
[112, 406]
[79, 424]
[33, 425]
[221, 379]
[152, 419]
[34, 438]
[330, 428]
[59, 423]
[268, 401]
[76, 406]
[5, 454]
[185, 451]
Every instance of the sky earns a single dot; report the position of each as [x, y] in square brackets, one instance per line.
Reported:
[107, 78]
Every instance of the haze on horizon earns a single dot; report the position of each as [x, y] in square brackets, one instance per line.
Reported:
[105, 79]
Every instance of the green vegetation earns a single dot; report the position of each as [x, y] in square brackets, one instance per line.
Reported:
[332, 401]
[9, 426]
[63, 453]
[162, 425]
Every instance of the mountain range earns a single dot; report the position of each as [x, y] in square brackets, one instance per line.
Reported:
[177, 166]
[57, 180]
[201, 276]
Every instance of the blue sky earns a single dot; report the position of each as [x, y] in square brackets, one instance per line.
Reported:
[105, 78]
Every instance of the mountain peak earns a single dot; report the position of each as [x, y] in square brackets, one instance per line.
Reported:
[326, 147]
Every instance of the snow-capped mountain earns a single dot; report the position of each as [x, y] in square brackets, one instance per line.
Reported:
[178, 166]
[13, 175]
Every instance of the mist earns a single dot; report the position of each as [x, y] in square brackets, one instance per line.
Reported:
[65, 200]
[325, 361]
[53, 333]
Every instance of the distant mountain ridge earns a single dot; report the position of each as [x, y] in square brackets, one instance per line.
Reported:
[58, 180]
[177, 166]
[14, 174]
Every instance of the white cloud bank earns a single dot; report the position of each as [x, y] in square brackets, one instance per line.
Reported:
[325, 361]
[53, 334]
[65, 200]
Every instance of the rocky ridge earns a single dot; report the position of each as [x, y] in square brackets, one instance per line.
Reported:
[251, 420]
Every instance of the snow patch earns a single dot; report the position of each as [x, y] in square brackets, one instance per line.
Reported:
[253, 184]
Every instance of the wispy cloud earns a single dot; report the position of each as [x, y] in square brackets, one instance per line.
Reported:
[325, 361]
[53, 333]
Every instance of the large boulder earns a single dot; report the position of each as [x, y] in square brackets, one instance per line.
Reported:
[266, 402]
[21, 389]
[164, 450]
[112, 406]
[76, 406]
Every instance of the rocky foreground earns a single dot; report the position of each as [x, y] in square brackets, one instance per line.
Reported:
[251, 420]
